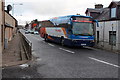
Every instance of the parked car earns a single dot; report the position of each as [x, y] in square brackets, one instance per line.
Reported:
[27, 32]
[32, 32]
[36, 32]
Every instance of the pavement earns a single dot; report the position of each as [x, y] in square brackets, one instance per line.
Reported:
[11, 55]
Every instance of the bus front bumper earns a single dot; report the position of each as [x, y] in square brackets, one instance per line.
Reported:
[83, 43]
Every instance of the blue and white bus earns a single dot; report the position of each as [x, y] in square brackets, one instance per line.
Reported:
[71, 30]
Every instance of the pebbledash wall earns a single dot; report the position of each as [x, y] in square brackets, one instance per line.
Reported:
[10, 27]
[1, 33]
[1, 26]
[103, 33]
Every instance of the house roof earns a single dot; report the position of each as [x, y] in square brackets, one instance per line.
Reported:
[104, 15]
[10, 15]
[114, 2]
[93, 10]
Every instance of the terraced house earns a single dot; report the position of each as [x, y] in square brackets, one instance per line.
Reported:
[8, 26]
[108, 32]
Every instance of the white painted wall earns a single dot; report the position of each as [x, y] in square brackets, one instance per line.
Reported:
[119, 35]
[104, 28]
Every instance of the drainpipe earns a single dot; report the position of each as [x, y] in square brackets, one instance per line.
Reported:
[4, 25]
[112, 38]
[103, 33]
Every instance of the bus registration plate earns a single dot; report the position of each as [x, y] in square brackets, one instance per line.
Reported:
[83, 44]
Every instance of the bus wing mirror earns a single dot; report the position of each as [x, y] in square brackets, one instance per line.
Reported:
[69, 31]
[96, 21]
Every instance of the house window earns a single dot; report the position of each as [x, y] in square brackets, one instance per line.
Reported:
[113, 12]
[112, 38]
[97, 36]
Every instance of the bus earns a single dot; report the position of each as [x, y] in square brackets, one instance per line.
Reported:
[71, 30]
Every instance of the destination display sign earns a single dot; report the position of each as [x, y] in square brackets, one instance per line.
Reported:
[81, 19]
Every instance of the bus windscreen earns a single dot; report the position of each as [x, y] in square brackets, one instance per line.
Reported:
[81, 28]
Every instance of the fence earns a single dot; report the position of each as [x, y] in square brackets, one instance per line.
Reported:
[27, 46]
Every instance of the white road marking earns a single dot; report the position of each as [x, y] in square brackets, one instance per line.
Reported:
[24, 66]
[51, 44]
[104, 62]
[26, 77]
[39, 59]
[67, 50]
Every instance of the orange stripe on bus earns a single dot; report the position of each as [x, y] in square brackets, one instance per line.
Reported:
[64, 31]
[50, 37]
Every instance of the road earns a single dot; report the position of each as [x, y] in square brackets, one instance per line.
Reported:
[56, 61]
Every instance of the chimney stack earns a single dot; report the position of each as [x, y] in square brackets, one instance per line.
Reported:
[98, 6]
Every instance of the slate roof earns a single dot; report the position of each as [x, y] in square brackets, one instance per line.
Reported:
[92, 10]
[103, 13]
[114, 2]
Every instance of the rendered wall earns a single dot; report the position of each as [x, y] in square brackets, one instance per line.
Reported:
[104, 28]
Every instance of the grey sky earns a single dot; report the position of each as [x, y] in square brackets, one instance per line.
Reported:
[45, 9]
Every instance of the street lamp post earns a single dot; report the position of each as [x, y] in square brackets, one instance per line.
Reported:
[13, 12]
[13, 7]
[112, 38]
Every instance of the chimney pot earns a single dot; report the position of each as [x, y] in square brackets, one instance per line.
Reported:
[98, 6]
